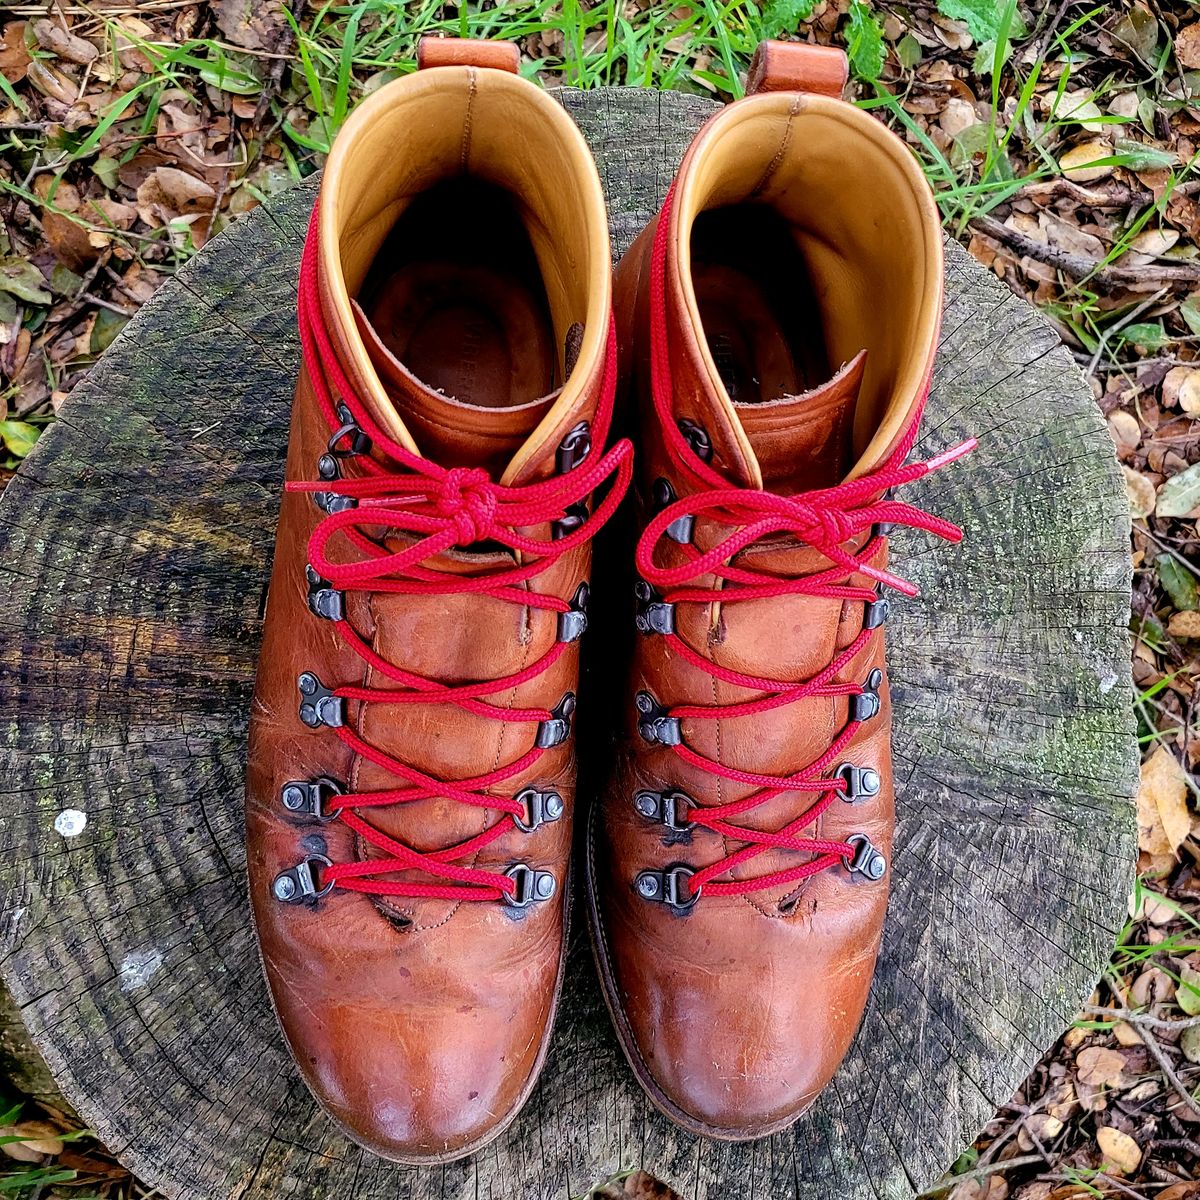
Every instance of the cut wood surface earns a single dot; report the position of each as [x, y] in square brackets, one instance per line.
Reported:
[136, 542]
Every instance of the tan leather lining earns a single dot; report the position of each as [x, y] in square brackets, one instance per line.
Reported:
[865, 221]
[433, 125]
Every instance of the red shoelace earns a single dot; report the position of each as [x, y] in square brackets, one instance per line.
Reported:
[824, 520]
[434, 510]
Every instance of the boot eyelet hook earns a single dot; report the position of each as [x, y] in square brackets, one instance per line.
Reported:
[360, 443]
[540, 808]
[867, 704]
[573, 623]
[669, 809]
[532, 885]
[554, 731]
[318, 705]
[655, 723]
[867, 860]
[301, 884]
[309, 798]
[861, 782]
[668, 887]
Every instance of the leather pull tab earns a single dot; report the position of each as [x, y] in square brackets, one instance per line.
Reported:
[796, 67]
[467, 52]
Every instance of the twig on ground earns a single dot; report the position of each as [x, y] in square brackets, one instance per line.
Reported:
[1180, 1143]
[1077, 267]
[100, 302]
[1123, 1188]
[1116, 326]
[1156, 1051]
[1135, 1018]
[1047, 34]
[1119, 195]
[1009, 1164]
[1114, 367]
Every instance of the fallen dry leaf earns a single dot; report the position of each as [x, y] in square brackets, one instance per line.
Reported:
[1077, 163]
[14, 57]
[1150, 987]
[1152, 243]
[253, 24]
[1125, 430]
[1181, 388]
[1185, 625]
[640, 1185]
[1187, 46]
[168, 192]
[1155, 910]
[1120, 1151]
[1142, 496]
[1126, 1035]
[1187, 992]
[1163, 820]
[1079, 108]
[184, 192]
[62, 43]
[105, 212]
[1181, 1191]
[69, 241]
[1189, 1043]
[991, 1187]
[1100, 1066]
[958, 115]
[38, 1138]
[51, 82]
[1041, 1126]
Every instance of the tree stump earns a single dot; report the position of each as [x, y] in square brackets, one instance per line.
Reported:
[138, 537]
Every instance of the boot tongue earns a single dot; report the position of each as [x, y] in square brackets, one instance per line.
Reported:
[803, 442]
[447, 430]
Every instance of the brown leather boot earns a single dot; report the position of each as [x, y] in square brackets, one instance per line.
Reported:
[782, 314]
[412, 771]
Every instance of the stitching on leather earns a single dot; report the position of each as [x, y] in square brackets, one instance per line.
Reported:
[472, 86]
[388, 903]
[631, 1038]
[594, 902]
[492, 435]
[784, 143]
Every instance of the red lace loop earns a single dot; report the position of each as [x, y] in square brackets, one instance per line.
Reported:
[431, 510]
[824, 520]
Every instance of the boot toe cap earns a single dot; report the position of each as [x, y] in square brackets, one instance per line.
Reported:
[417, 1087]
[733, 1070]
[419, 1098]
[738, 1045]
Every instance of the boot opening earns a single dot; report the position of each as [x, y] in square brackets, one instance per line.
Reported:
[761, 319]
[465, 256]
[456, 295]
[845, 249]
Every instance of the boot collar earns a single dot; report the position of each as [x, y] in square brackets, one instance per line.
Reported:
[759, 149]
[491, 122]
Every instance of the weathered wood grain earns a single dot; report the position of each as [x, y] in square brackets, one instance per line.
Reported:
[136, 542]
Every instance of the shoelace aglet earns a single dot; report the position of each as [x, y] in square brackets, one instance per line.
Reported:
[955, 452]
[896, 582]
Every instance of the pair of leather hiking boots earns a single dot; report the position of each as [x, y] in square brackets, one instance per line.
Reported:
[412, 772]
